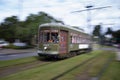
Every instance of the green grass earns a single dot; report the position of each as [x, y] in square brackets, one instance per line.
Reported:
[113, 72]
[100, 62]
[91, 68]
[49, 71]
[101, 46]
[17, 61]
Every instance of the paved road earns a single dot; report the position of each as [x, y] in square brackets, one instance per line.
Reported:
[16, 56]
[9, 54]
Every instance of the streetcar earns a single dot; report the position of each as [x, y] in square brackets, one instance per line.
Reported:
[61, 41]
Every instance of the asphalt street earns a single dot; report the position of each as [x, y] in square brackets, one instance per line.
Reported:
[16, 56]
[9, 54]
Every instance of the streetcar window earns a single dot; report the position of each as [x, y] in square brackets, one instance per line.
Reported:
[54, 37]
[46, 37]
[49, 36]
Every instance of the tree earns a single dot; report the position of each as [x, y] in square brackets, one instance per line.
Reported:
[34, 20]
[8, 28]
[12, 28]
[97, 34]
[97, 31]
[109, 31]
[116, 36]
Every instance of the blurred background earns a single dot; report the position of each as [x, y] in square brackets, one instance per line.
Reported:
[20, 19]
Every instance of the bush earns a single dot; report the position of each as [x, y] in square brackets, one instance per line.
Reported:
[11, 46]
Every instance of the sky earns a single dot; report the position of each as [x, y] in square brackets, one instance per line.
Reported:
[65, 10]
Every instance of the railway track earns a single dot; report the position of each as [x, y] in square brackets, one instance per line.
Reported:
[79, 65]
[5, 71]
[85, 74]
[88, 66]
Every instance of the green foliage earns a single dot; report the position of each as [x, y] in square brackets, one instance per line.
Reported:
[12, 28]
[109, 31]
[97, 31]
[11, 46]
[8, 28]
[116, 36]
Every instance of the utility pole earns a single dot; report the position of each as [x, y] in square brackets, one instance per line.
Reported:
[89, 8]
[89, 17]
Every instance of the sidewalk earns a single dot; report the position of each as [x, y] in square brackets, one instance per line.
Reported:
[15, 51]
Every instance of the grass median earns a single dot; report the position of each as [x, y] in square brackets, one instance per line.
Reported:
[113, 71]
[8, 63]
[70, 68]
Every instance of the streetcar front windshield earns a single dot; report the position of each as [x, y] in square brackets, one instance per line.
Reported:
[49, 36]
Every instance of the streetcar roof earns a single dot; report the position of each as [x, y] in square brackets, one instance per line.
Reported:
[62, 25]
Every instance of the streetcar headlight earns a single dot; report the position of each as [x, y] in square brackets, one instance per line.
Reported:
[45, 48]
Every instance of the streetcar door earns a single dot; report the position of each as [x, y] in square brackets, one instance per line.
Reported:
[63, 41]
